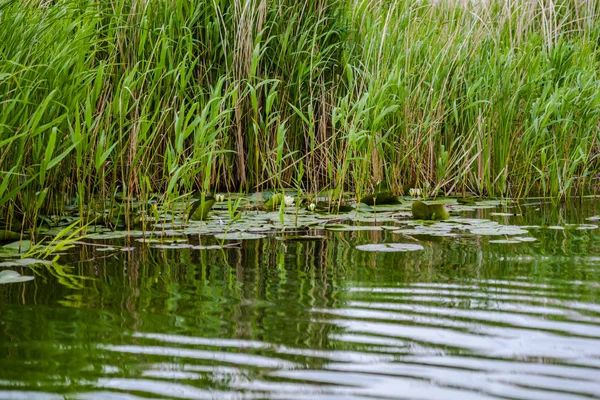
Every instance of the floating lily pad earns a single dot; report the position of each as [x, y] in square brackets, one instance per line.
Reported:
[427, 230]
[239, 236]
[13, 277]
[347, 228]
[526, 239]
[199, 210]
[390, 247]
[380, 198]
[23, 246]
[582, 227]
[9, 235]
[424, 211]
[109, 248]
[162, 240]
[24, 262]
[215, 246]
[499, 230]
[505, 214]
[116, 235]
[171, 246]
[505, 241]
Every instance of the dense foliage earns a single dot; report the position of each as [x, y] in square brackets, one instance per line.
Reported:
[141, 97]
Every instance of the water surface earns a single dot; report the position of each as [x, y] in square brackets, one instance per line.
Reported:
[463, 318]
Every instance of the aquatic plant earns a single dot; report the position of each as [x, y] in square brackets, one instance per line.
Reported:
[424, 211]
[139, 98]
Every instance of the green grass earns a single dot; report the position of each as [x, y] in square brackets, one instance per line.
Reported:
[143, 97]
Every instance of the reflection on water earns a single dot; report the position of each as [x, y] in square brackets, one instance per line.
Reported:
[314, 320]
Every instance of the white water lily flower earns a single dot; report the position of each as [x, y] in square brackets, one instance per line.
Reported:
[288, 200]
[219, 197]
[312, 206]
[415, 192]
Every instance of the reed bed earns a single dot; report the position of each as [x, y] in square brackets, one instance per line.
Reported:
[162, 97]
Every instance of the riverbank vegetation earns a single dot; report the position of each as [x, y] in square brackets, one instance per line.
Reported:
[496, 98]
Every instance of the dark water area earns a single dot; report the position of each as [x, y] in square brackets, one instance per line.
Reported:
[462, 319]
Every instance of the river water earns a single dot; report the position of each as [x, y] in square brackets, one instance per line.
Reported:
[462, 319]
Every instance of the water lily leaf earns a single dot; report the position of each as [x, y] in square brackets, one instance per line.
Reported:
[424, 211]
[346, 228]
[23, 246]
[199, 210]
[215, 246]
[426, 231]
[505, 214]
[9, 235]
[466, 201]
[171, 246]
[526, 239]
[162, 240]
[375, 218]
[390, 247]
[109, 248]
[24, 262]
[380, 198]
[505, 241]
[116, 235]
[593, 218]
[239, 236]
[582, 227]
[13, 277]
[500, 230]
[274, 201]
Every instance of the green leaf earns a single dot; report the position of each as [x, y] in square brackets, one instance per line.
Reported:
[423, 211]
[200, 209]
[390, 247]
[13, 277]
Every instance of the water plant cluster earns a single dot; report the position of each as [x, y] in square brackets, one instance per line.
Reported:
[156, 99]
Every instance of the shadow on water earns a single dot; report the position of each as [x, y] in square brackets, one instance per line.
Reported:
[463, 318]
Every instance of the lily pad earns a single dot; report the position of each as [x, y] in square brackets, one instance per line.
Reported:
[165, 240]
[9, 235]
[215, 246]
[239, 236]
[433, 230]
[582, 227]
[116, 235]
[172, 246]
[505, 214]
[347, 228]
[24, 262]
[199, 210]
[13, 277]
[380, 198]
[526, 239]
[109, 248]
[424, 211]
[390, 247]
[499, 230]
[274, 201]
[23, 246]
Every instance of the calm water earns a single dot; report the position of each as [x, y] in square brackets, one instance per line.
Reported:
[462, 319]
